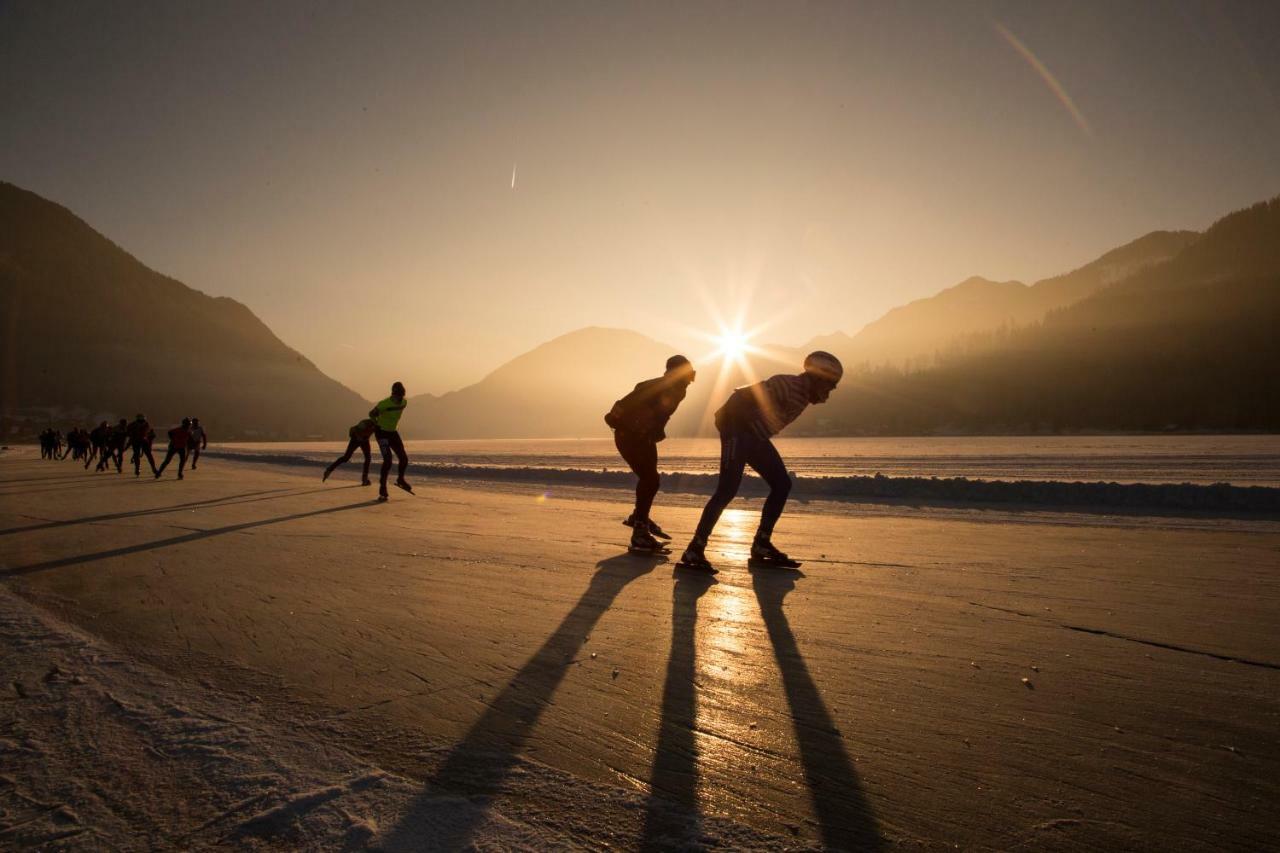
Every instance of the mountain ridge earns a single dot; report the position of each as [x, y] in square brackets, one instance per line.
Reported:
[101, 334]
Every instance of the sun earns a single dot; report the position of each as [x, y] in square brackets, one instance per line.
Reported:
[733, 344]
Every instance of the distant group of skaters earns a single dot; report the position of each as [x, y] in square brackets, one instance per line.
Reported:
[108, 444]
[747, 422]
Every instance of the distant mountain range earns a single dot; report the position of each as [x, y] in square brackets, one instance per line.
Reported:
[1173, 330]
[1189, 343]
[914, 334]
[89, 332]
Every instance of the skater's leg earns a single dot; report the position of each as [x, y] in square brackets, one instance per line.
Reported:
[732, 463]
[182, 461]
[151, 460]
[168, 457]
[765, 461]
[398, 446]
[641, 454]
[384, 445]
[364, 448]
[346, 457]
[195, 456]
[647, 487]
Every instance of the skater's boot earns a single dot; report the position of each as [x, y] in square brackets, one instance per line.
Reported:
[325, 476]
[366, 482]
[402, 483]
[642, 542]
[654, 529]
[657, 531]
[763, 552]
[695, 558]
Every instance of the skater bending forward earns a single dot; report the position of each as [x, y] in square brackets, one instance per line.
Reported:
[639, 422]
[752, 415]
[386, 420]
[358, 439]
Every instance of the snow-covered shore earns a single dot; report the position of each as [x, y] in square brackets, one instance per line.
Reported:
[252, 658]
[1213, 498]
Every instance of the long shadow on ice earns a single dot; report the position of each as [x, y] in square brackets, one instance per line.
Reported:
[229, 500]
[671, 819]
[194, 536]
[844, 816]
[479, 766]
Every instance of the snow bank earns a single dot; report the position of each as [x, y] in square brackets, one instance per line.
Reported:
[1217, 497]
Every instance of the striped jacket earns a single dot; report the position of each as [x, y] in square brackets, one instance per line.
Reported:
[766, 408]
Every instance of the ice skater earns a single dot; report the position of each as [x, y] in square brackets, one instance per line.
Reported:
[117, 438]
[140, 437]
[179, 438]
[639, 422]
[199, 441]
[97, 443]
[747, 422]
[386, 418]
[357, 439]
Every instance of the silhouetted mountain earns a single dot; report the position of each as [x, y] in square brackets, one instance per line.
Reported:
[89, 331]
[560, 389]
[563, 388]
[1191, 343]
[914, 334]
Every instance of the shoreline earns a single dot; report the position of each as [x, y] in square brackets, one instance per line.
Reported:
[1261, 502]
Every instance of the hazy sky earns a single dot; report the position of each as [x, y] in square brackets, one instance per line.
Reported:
[345, 169]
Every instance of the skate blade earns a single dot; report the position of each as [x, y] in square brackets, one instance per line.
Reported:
[697, 567]
[657, 552]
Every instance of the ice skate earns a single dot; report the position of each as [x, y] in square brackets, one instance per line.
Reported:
[695, 560]
[644, 543]
[764, 555]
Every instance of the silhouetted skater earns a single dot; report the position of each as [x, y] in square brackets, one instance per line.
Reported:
[179, 438]
[639, 422]
[117, 437]
[199, 441]
[752, 415]
[386, 418]
[97, 443]
[358, 438]
[77, 444]
[140, 437]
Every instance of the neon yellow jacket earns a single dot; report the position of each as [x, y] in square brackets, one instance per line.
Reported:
[387, 413]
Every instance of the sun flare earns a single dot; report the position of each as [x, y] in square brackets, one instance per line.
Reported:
[733, 344]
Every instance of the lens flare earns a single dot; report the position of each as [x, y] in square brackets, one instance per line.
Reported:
[1047, 76]
[733, 344]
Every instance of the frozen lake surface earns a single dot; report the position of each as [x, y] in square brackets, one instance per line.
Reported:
[1244, 460]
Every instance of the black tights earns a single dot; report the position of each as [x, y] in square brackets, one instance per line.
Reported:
[180, 452]
[641, 454]
[352, 446]
[141, 449]
[738, 450]
[388, 442]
